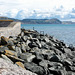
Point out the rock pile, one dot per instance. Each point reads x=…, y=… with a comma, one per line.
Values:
x=38, y=53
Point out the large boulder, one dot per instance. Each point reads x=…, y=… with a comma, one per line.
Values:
x=5, y=41
x=55, y=58
x=28, y=57
x=34, y=68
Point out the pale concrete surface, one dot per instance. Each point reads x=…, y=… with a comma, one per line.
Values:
x=8, y=68
x=12, y=30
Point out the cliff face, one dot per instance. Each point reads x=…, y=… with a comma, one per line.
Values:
x=41, y=21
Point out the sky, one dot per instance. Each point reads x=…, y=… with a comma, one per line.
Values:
x=38, y=9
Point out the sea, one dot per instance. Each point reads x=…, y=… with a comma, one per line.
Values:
x=63, y=32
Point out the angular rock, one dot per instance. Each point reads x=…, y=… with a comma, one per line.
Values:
x=46, y=39
x=20, y=64
x=11, y=47
x=31, y=45
x=3, y=48
x=34, y=68
x=4, y=40
x=54, y=58
x=18, y=51
x=54, y=71
x=23, y=48
x=39, y=44
x=9, y=52
x=66, y=50
x=27, y=42
x=14, y=58
x=28, y=57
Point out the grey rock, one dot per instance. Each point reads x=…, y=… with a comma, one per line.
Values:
x=28, y=57
x=34, y=68
x=46, y=39
x=25, y=38
x=44, y=63
x=50, y=43
x=18, y=51
x=54, y=71
x=66, y=50
x=68, y=62
x=23, y=48
x=31, y=45
x=27, y=42
x=3, y=48
x=70, y=73
x=39, y=56
x=39, y=44
x=55, y=58
x=10, y=42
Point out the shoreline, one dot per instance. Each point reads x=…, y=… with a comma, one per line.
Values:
x=39, y=53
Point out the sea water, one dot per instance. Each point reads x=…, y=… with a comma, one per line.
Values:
x=65, y=32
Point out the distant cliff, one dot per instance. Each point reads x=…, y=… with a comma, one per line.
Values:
x=40, y=21
x=68, y=22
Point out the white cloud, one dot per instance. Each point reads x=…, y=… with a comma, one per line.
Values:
x=37, y=8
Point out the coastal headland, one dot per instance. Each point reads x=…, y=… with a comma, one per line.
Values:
x=39, y=53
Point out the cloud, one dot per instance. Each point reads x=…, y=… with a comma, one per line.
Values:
x=21, y=9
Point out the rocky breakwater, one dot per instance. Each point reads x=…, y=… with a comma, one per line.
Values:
x=38, y=53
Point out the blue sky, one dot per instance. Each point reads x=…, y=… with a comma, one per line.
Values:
x=40, y=9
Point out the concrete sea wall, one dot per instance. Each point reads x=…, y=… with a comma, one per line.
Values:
x=12, y=30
